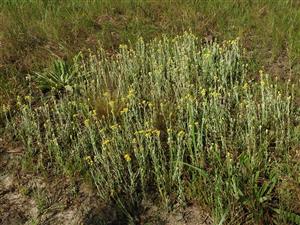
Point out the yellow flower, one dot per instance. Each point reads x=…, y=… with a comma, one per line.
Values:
x=94, y=113
x=149, y=130
x=156, y=132
x=125, y=110
x=215, y=94
x=105, y=142
x=203, y=91
x=123, y=46
x=189, y=97
x=181, y=133
x=89, y=160
x=130, y=93
x=111, y=104
x=19, y=103
x=150, y=104
x=28, y=98
x=229, y=156
x=147, y=134
x=134, y=141
x=139, y=132
x=87, y=122
x=245, y=87
x=127, y=157
x=6, y=108
x=115, y=126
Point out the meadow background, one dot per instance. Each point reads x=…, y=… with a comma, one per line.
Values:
x=170, y=102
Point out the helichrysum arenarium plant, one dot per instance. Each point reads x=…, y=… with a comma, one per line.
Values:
x=172, y=120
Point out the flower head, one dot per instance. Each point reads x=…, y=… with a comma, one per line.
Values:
x=89, y=160
x=105, y=142
x=125, y=110
x=28, y=98
x=94, y=113
x=87, y=122
x=156, y=132
x=130, y=93
x=134, y=141
x=115, y=126
x=181, y=133
x=203, y=92
x=127, y=157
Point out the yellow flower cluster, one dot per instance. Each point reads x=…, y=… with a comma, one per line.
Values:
x=207, y=54
x=87, y=122
x=148, y=133
x=94, y=113
x=89, y=160
x=124, y=110
x=215, y=94
x=231, y=42
x=123, y=46
x=115, y=126
x=6, y=108
x=19, y=103
x=105, y=142
x=146, y=103
x=130, y=94
x=180, y=134
x=245, y=87
x=189, y=97
x=203, y=92
x=28, y=98
x=134, y=141
x=127, y=157
x=192, y=125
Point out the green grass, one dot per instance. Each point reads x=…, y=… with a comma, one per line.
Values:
x=171, y=121
x=34, y=33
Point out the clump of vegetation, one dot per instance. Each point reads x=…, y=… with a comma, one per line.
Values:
x=172, y=120
x=61, y=77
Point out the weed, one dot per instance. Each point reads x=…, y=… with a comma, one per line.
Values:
x=61, y=77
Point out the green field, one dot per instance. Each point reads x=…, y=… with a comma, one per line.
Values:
x=174, y=103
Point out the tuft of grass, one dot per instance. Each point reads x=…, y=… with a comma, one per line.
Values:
x=33, y=31
x=61, y=77
x=183, y=120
